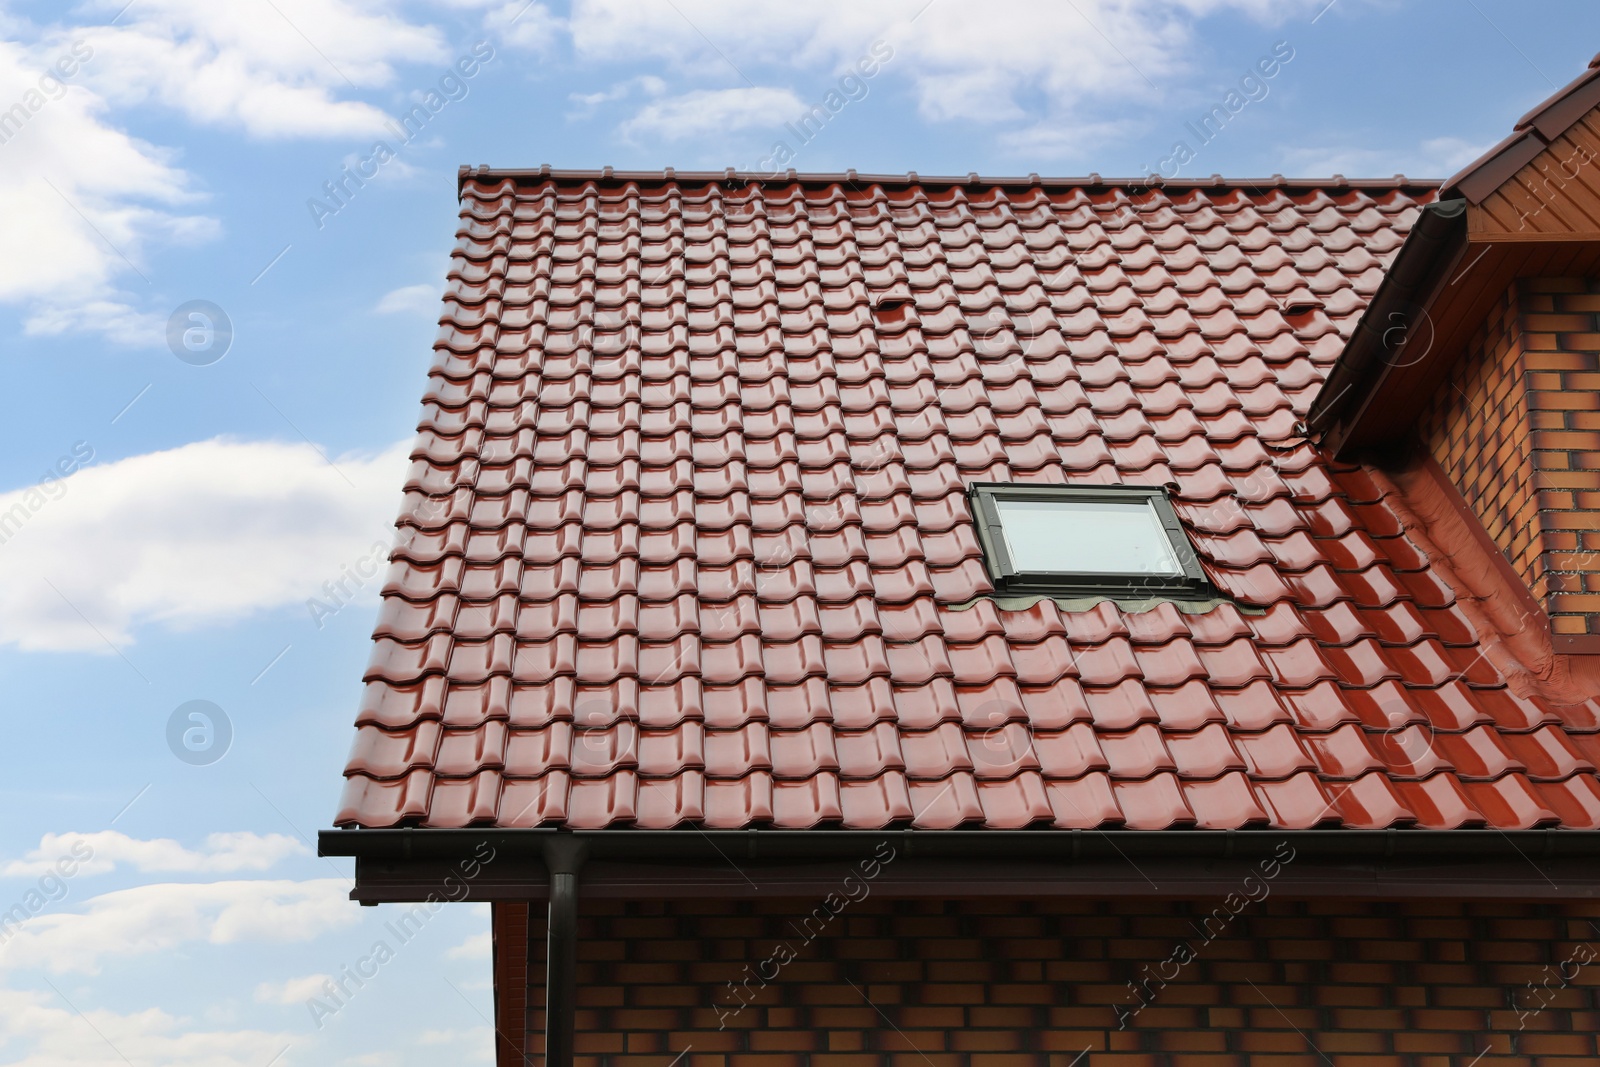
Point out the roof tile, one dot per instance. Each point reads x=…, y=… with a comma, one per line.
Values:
x=1226, y=803
x=1371, y=802
x=1153, y=804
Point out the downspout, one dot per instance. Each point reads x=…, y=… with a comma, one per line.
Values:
x=564, y=856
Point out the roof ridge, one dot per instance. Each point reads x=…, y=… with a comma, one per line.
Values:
x=545, y=172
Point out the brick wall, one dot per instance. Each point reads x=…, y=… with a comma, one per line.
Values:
x=1035, y=983
x=1517, y=429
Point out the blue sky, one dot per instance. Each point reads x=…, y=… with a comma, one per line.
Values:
x=196, y=506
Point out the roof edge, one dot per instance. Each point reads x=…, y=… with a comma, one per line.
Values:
x=528, y=175
x=1554, y=115
x=1478, y=179
x=1532, y=134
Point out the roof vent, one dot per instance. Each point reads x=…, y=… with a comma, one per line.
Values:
x=890, y=310
x=1300, y=308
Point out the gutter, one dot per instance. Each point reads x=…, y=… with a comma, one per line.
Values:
x=719, y=846
x=1376, y=346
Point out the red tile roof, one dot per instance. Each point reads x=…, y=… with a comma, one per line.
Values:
x=689, y=545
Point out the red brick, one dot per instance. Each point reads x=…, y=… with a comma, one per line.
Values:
x=1557, y=1044
x=1542, y=323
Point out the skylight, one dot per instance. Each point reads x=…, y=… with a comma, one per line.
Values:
x=1123, y=540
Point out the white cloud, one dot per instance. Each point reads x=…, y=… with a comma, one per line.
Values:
x=523, y=24
x=292, y=990
x=276, y=70
x=75, y=182
x=1437, y=157
x=104, y=850
x=586, y=103
x=1059, y=139
x=963, y=61
x=409, y=298
x=706, y=111
x=160, y=917
x=209, y=531
x=87, y=191
x=54, y=1035
x=478, y=948
x=120, y=323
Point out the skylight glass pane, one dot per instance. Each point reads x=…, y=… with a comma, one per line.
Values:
x=1086, y=537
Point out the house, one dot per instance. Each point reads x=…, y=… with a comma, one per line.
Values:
x=850, y=620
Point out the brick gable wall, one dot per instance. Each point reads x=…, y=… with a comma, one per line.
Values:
x=1516, y=427
x=1035, y=983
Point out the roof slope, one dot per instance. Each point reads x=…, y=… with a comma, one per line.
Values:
x=688, y=537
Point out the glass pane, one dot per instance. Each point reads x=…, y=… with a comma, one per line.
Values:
x=1086, y=537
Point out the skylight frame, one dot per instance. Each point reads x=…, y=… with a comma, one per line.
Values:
x=984, y=498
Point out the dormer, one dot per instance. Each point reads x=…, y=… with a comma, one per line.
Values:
x=1474, y=379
